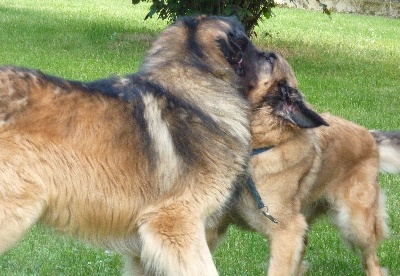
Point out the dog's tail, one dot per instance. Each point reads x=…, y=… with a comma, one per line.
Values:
x=389, y=150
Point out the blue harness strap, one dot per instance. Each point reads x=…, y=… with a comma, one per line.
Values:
x=260, y=150
x=256, y=194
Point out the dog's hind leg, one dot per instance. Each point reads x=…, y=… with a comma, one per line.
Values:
x=379, y=231
x=287, y=246
x=20, y=205
x=361, y=218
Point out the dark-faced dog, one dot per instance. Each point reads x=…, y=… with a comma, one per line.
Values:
x=136, y=164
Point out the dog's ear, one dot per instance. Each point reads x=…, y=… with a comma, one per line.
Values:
x=290, y=106
x=302, y=116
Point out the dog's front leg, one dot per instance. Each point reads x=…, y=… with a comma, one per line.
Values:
x=174, y=243
x=287, y=246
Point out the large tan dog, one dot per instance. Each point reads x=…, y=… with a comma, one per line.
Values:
x=137, y=164
x=326, y=170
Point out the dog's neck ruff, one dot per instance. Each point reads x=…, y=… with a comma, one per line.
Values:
x=256, y=194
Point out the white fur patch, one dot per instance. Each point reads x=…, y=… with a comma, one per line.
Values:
x=382, y=213
x=162, y=143
x=389, y=158
x=342, y=220
x=123, y=82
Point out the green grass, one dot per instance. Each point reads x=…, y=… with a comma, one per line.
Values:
x=348, y=66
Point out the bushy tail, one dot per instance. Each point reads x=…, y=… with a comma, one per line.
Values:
x=389, y=150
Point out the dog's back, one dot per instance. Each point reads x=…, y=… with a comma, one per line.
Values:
x=344, y=145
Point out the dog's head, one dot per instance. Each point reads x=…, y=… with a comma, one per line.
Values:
x=215, y=44
x=275, y=89
x=223, y=40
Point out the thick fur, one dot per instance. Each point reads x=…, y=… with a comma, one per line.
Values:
x=389, y=150
x=136, y=164
x=309, y=171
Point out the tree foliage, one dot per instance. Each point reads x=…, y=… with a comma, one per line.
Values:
x=249, y=12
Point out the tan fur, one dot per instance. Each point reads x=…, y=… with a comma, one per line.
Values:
x=327, y=170
x=136, y=164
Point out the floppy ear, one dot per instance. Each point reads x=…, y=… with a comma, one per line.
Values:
x=292, y=108
x=300, y=115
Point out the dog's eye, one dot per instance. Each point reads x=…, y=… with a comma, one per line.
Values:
x=239, y=39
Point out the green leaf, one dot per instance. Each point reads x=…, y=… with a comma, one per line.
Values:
x=267, y=13
x=228, y=10
x=153, y=10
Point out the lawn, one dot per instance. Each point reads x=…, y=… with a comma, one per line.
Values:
x=348, y=65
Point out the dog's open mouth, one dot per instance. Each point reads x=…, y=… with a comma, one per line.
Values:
x=239, y=68
x=237, y=44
